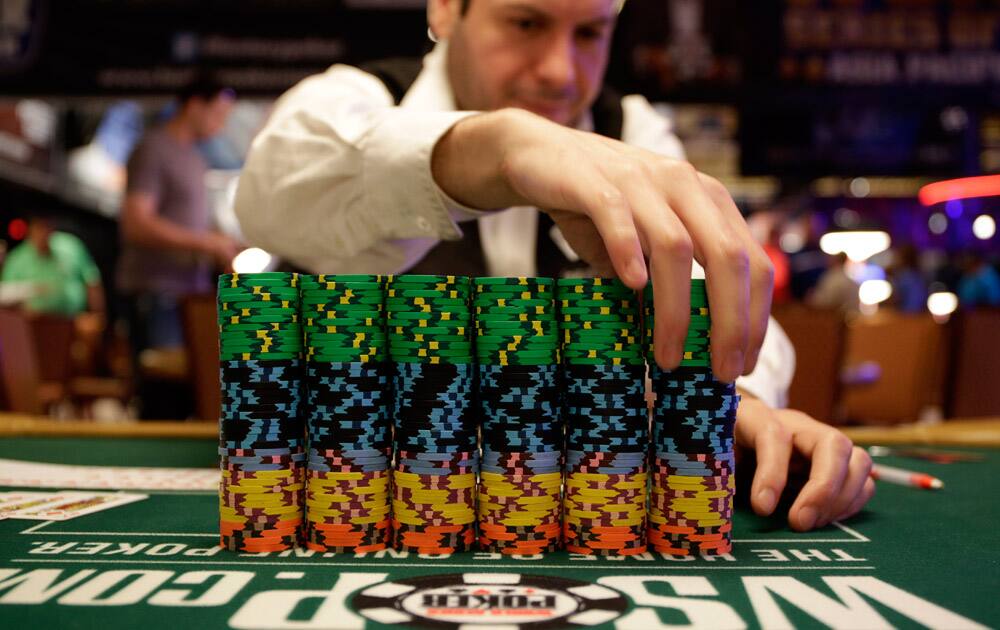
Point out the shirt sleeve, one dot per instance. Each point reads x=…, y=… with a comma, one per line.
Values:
x=340, y=180
x=143, y=171
x=82, y=261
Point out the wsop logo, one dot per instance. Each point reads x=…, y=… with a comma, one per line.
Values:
x=489, y=599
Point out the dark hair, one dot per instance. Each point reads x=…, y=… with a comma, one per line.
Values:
x=465, y=6
x=204, y=85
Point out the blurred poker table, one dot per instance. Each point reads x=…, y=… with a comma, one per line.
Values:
x=913, y=558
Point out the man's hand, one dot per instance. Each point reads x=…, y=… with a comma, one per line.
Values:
x=839, y=484
x=221, y=248
x=622, y=205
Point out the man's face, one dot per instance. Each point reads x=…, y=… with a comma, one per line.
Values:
x=546, y=56
x=39, y=231
x=210, y=116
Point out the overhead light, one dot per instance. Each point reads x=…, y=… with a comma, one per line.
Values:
x=860, y=187
x=984, y=227
x=251, y=260
x=874, y=292
x=791, y=242
x=963, y=188
x=937, y=223
x=942, y=304
x=859, y=246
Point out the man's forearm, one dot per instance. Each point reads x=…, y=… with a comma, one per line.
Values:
x=159, y=233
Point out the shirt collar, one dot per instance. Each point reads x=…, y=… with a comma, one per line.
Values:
x=432, y=90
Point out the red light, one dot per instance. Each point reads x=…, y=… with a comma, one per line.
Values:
x=964, y=188
x=17, y=229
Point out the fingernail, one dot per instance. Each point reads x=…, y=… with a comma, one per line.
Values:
x=765, y=500
x=637, y=272
x=733, y=365
x=671, y=356
x=807, y=517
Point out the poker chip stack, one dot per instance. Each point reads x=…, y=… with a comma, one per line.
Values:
x=434, y=421
x=517, y=349
x=347, y=413
x=261, y=441
x=690, y=510
x=606, y=418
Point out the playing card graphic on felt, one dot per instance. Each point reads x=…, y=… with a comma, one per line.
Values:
x=13, y=502
x=74, y=504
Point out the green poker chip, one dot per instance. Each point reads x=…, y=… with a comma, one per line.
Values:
x=458, y=348
x=427, y=279
x=269, y=356
x=260, y=334
x=258, y=320
x=526, y=304
x=419, y=354
x=406, y=340
x=429, y=295
x=622, y=305
x=513, y=280
x=270, y=326
x=522, y=317
x=343, y=277
x=265, y=277
x=452, y=317
x=398, y=332
x=516, y=313
x=234, y=295
x=345, y=323
x=456, y=307
x=602, y=361
x=599, y=326
x=267, y=308
x=432, y=360
x=527, y=338
x=497, y=292
x=349, y=294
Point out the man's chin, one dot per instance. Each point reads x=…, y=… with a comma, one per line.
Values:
x=558, y=115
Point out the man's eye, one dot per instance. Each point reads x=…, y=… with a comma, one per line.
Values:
x=589, y=34
x=526, y=24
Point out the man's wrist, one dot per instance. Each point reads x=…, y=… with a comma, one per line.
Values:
x=481, y=182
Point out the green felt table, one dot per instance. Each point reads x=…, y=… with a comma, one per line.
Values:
x=913, y=558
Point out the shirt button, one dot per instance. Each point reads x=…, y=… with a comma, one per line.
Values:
x=423, y=224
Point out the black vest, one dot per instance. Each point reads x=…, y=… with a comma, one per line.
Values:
x=465, y=256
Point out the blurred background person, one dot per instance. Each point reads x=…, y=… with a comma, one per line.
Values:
x=980, y=283
x=836, y=289
x=909, y=287
x=170, y=246
x=65, y=281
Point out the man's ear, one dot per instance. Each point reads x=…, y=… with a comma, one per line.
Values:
x=442, y=16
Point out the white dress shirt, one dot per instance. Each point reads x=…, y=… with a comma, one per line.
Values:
x=339, y=181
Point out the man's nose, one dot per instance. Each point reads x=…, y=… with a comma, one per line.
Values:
x=556, y=67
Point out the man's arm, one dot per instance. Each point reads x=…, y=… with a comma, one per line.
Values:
x=141, y=224
x=340, y=179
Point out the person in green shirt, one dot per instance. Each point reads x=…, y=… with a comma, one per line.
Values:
x=67, y=282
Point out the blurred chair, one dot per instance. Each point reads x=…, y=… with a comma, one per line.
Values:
x=201, y=339
x=54, y=340
x=911, y=352
x=818, y=338
x=974, y=386
x=24, y=390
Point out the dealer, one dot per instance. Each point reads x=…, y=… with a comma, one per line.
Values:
x=503, y=153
